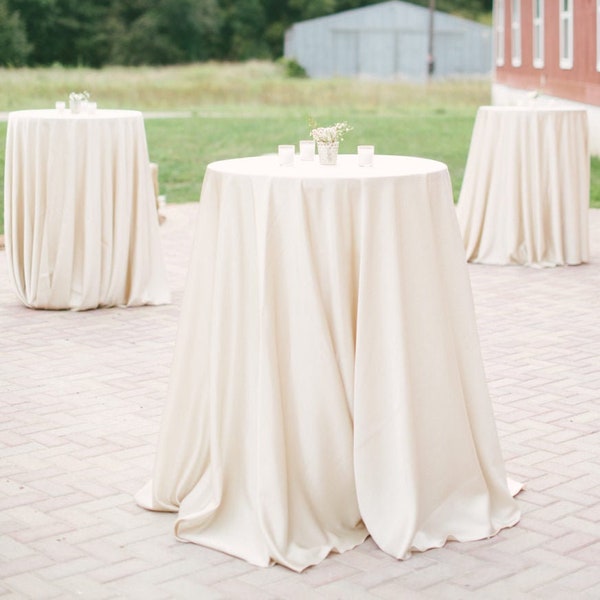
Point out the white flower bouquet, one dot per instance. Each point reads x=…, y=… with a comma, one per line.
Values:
x=331, y=134
x=79, y=96
x=328, y=140
x=77, y=100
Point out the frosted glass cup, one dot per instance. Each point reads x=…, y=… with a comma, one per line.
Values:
x=307, y=150
x=286, y=154
x=365, y=155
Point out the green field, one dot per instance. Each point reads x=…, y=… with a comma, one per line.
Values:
x=244, y=109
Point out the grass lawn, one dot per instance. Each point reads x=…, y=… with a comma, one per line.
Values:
x=247, y=109
x=183, y=147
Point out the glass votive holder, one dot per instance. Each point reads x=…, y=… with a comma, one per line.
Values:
x=365, y=155
x=76, y=106
x=90, y=107
x=60, y=106
x=286, y=154
x=307, y=150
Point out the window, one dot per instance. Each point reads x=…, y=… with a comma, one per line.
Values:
x=515, y=33
x=538, y=33
x=499, y=22
x=565, y=23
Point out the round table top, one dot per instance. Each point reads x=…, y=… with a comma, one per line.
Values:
x=533, y=108
x=67, y=115
x=347, y=167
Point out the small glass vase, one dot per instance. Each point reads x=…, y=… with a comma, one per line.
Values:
x=75, y=105
x=328, y=152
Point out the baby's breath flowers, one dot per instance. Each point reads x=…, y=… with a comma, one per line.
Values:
x=79, y=96
x=331, y=134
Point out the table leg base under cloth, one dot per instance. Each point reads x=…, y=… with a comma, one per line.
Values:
x=319, y=393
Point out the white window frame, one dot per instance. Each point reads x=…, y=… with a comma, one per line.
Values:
x=515, y=33
x=499, y=20
x=565, y=25
x=538, y=33
x=597, y=35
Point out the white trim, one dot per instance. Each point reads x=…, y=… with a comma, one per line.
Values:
x=515, y=33
x=538, y=33
x=565, y=34
x=499, y=19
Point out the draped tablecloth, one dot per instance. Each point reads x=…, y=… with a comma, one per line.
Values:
x=327, y=381
x=525, y=193
x=81, y=227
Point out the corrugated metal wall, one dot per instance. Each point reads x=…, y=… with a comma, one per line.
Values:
x=389, y=40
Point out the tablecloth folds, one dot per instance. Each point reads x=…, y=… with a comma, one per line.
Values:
x=82, y=228
x=327, y=382
x=525, y=194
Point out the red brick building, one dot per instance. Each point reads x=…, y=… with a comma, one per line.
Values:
x=551, y=47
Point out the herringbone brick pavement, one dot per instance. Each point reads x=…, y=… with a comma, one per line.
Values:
x=80, y=405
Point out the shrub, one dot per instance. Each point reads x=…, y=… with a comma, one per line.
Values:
x=292, y=68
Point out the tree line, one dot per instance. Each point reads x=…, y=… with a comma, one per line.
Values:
x=158, y=32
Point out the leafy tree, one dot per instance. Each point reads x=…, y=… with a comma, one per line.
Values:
x=243, y=27
x=14, y=46
x=309, y=9
x=38, y=17
x=78, y=32
x=171, y=31
x=193, y=25
x=64, y=31
x=349, y=4
x=129, y=11
x=98, y=32
x=145, y=42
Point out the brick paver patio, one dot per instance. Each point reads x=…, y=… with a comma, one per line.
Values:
x=81, y=397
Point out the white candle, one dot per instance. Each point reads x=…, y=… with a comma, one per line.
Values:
x=286, y=154
x=307, y=150
x=60, y=106
x=365, y=156
x=90, y=107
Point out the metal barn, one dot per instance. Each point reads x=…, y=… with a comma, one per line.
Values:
x=389, y=40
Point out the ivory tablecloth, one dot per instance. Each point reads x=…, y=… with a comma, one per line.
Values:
x=327, y=382
x=81, y=227
x=525, y=193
